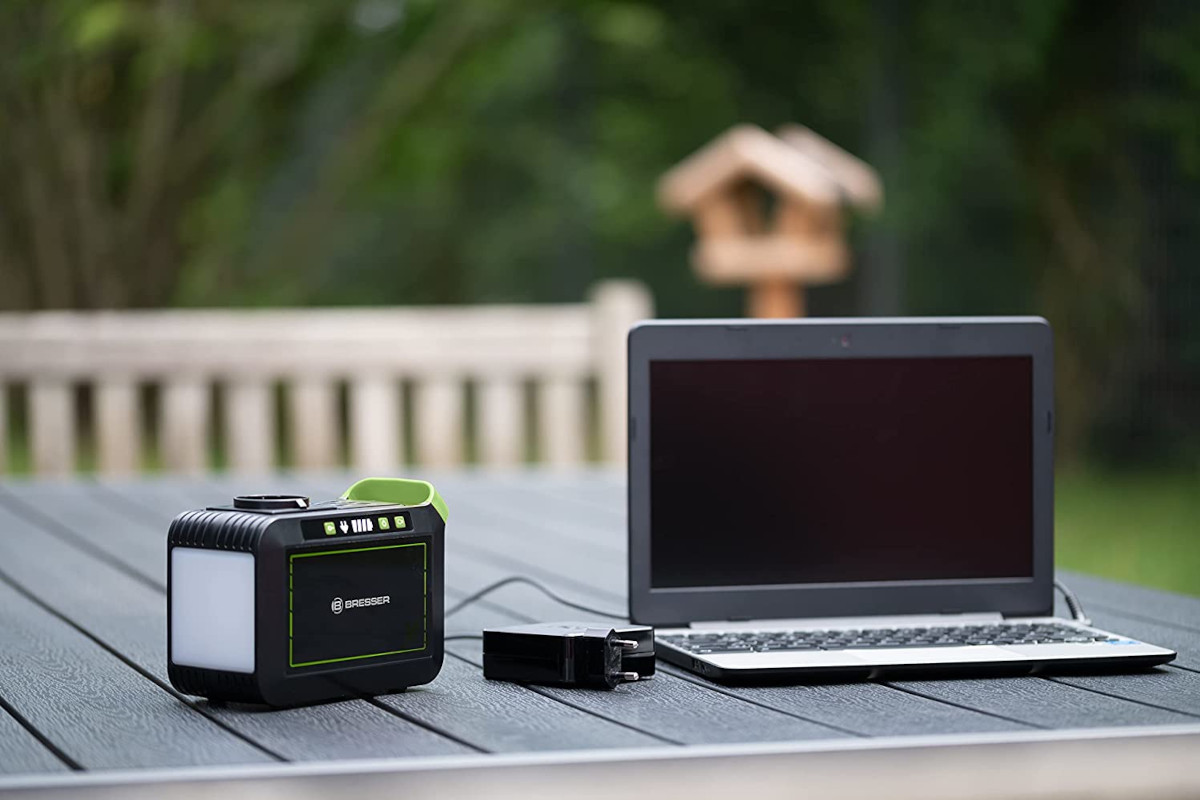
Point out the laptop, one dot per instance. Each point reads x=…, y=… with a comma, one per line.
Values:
x=850, y=499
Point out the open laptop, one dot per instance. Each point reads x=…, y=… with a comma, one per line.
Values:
x=859, y=498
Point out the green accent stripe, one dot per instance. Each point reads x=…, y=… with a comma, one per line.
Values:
x=356, y=658
x=357, y=550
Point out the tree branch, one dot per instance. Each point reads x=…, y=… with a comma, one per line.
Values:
x=156, y=133
x=411, y=81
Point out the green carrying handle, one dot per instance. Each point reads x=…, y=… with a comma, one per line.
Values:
x=400, y=491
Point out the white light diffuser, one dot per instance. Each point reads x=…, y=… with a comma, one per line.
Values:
x=212, y=609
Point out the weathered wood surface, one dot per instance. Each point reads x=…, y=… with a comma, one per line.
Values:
x=83, y=672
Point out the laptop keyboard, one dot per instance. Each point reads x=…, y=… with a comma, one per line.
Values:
x=871, y=638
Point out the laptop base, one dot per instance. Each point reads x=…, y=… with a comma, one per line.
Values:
x=749, y=654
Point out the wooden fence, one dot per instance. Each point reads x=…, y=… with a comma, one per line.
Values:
x=523, y=363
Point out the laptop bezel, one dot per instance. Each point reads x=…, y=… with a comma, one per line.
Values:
x=840, y=339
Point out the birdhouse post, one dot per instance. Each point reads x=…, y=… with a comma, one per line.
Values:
x=767, y=210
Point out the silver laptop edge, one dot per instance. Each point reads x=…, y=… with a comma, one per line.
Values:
x=1121, y=648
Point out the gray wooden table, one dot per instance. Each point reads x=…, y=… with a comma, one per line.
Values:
x=83, y=683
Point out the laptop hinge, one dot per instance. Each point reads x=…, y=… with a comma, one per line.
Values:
x=849, y=622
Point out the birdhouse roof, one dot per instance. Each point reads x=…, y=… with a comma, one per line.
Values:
x=856, y=179
x=746, y=152
x=798, y=163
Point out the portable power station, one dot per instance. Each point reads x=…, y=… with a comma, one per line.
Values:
x=275, y=600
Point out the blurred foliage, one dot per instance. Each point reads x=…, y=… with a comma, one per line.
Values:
x=1038, y=156
x=1132, y=527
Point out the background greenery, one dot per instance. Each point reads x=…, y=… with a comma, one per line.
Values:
x=1038, y=157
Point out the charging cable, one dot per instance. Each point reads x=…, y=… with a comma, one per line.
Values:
x=478, y=595
x=1073, y=603
x=521, y=579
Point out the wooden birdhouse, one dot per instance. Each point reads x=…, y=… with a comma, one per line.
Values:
x=768, y=212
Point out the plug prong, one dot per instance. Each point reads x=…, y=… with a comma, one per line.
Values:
x=628, y=677
x=626, y=644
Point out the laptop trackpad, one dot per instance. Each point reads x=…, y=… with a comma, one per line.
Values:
x=932, y=655
x=783, y=659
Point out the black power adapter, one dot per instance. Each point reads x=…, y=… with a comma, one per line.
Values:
x=569, y=654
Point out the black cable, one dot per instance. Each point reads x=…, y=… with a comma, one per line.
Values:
x=491, y=587
x=1076, y=607
x=1072, y=603
x=458, y=636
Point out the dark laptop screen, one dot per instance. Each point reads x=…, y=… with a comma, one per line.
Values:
x=840, y=470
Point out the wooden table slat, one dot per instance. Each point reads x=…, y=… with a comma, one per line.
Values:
x=862, y=709
x=867, y=709
x=568, y=530
x=130, y=617
x=669, y=707
x=523, y=500
x=507, y=718
x=1009, y=696
x=74, y=516
x=1043, y=703
x=1168, y=688
x=557, y=545
x=21, y=752
x=353, y=729
x=1151, y=605
x=556, y=727
x=349, y=730
x=92, y=706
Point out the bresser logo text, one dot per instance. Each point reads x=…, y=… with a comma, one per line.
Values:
x=339, y=605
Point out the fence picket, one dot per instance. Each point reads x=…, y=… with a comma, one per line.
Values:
x=52, y=426
x=501, y=421
x=4, y=442
x=118, y=426
x=439, y=433
x=616, y=306
x=313, y=432
x=249, y=425
x=561, y=417
x=184, y=440
x=375, y=416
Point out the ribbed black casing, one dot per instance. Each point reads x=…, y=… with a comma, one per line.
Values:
x=233, y=686
x=218, y=530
